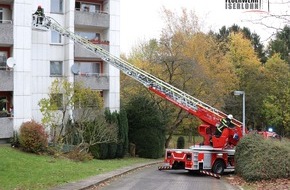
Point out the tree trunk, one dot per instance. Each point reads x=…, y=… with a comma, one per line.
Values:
x=168, y=139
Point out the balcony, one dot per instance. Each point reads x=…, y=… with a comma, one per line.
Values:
x=6, y=34
x=6, y=78
x=6, y=127
x=81, y=52
x=95, y=81
x=96, y=20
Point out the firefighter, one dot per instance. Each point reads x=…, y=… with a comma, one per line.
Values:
x=224, y=123
x=40, y=13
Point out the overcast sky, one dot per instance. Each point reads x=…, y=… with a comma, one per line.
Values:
x=141, y=19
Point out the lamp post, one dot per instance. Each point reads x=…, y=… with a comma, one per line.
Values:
x=238, y=93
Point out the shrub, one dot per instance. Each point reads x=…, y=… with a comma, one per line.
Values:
x=149, y=144
x=112, y=150
x=180, y=142
x=78, y=155
x=262, y=159
x=120, y=151
x=103, y=150
x=95, y=151
x=15, y=140
x=32, y=137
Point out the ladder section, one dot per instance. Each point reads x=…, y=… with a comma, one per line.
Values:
x=194, y=106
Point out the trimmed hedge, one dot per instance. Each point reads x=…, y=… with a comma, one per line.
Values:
x=262, y=159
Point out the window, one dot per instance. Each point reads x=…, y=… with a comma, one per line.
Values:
x=56, y=6
x=55, y=37
x=56, y=68
x=89, y=67
x=3, y=59
x=57, y=99
x=1, y=15
x=89, y=35
x=3, y=106
x=92, y=8
x=3, y=103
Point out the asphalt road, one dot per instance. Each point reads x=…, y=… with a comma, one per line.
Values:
x=150, y=178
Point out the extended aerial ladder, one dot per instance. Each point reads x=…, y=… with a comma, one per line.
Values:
x=208, y=114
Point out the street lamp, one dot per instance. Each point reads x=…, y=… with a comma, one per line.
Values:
x=238, y=93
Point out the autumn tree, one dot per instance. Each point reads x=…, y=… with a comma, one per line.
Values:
x=277, y=95
x=247, y=68
x=187, y=59
x=224, y=33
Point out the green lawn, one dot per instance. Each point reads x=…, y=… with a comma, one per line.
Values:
x=19, y=170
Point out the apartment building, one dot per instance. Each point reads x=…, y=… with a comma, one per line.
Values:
x=30, y=59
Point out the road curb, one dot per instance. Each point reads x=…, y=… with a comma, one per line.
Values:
x=101, y=178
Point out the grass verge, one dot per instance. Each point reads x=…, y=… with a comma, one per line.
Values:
x=19, y=170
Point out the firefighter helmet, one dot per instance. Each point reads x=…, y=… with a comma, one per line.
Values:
x=230, y=116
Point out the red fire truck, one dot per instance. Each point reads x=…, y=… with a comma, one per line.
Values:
x=214, y=154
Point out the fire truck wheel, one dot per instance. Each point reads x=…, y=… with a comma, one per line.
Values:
x=218, y=167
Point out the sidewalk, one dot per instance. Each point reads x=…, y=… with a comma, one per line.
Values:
x=98, y=179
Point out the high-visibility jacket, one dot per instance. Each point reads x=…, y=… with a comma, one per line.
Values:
x=225, y=122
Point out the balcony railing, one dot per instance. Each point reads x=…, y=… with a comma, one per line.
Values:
x=95, y=81
x=81, y=52
x=6, y=78
x=98, y=19
x=6, y=127
x=6, y=34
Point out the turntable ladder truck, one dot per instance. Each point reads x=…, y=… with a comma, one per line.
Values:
x=215, y=154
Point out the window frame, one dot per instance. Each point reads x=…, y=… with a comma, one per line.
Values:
x=4, y=103
x=3, y=54
x=1, y=14
x=52, y=33
x=60, y=6
x=55, y=74
x=98, y=65
x=89, y=6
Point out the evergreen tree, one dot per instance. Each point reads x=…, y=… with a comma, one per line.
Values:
x=281, y=44
x=146, y=129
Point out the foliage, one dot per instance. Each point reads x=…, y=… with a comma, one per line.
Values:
x=123, y=145
x=248, y=70
x=32, y=137
x=100, y=151
x=149, y=142
x=262, y=159
x=180, y=142
x=112, y=150
x=99, y=131
x=15, y=140
x=277, y=98
x=119, y=148
x=74, y=114
x=79, y=155
x=187, y=59
x=281, y=44
x=224, y=33
x=146, y=128
x=57, y=107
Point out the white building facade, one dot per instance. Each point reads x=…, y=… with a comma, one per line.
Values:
x=36, y=58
